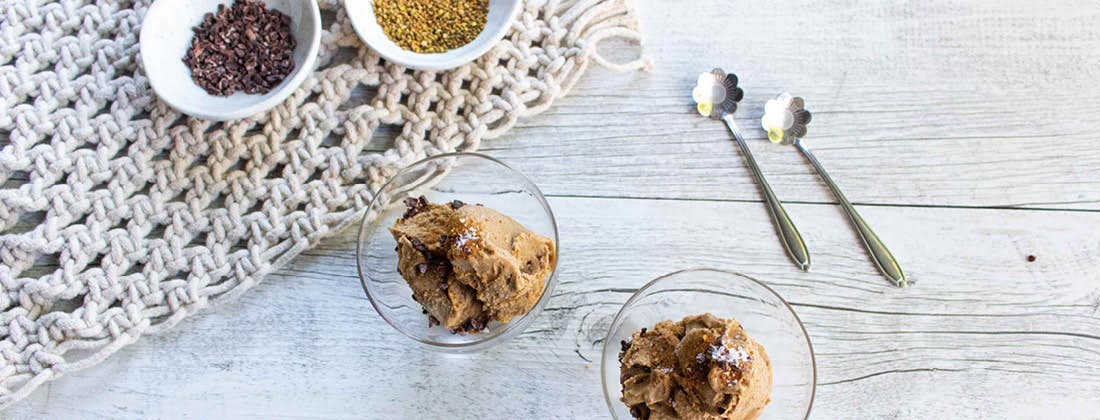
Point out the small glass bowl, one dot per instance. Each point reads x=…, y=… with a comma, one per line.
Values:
x=766, y=317
x=473, y=179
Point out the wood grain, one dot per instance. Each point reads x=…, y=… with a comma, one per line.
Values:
x=984, y=333
x=982, y=103
x=965, y=129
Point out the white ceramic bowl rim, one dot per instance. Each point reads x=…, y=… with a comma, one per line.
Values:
x=509, y=327
x=640, y=293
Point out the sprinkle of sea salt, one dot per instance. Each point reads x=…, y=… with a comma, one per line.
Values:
x=734, y=356
x=466, y=236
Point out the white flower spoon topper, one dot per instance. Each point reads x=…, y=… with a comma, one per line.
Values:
x=785, y=119
x=716, y=96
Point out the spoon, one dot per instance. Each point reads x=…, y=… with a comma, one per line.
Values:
x=785, y=119
x=716, y=96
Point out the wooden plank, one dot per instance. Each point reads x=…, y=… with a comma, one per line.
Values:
x=984, y=333
x=983, y=103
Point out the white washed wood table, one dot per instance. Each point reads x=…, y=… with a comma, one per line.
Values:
x=964, y=131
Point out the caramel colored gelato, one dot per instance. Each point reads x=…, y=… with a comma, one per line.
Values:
x=700, y=368
x=469, y=264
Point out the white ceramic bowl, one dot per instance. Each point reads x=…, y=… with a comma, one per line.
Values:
x=166, y=34
x=501, y=15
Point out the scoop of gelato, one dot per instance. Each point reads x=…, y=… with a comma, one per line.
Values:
x=699, y=368
x=469, y=264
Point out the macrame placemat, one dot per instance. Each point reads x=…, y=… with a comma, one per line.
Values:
x=120, y=217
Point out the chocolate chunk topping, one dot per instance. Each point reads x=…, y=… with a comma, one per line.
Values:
x=415, y=206
x=418, y=245
x=625, y=346
x=471, y=326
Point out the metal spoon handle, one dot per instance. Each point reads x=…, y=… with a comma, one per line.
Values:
x=788, y=234
x=880, y=255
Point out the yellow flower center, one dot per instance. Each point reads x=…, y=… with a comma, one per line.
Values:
x=704, y=108
x=775, y=135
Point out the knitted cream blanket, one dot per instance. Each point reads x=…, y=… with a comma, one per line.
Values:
x=120, y=217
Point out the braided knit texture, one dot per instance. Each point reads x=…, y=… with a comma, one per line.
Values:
x=120, y=217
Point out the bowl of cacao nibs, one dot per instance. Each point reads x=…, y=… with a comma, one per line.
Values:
x=228, y=59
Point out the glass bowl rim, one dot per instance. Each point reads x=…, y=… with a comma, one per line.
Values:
x=510, y=328
x=638, y=294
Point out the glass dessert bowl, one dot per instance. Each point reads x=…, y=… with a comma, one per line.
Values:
x=763, y=314
x=432, y=233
